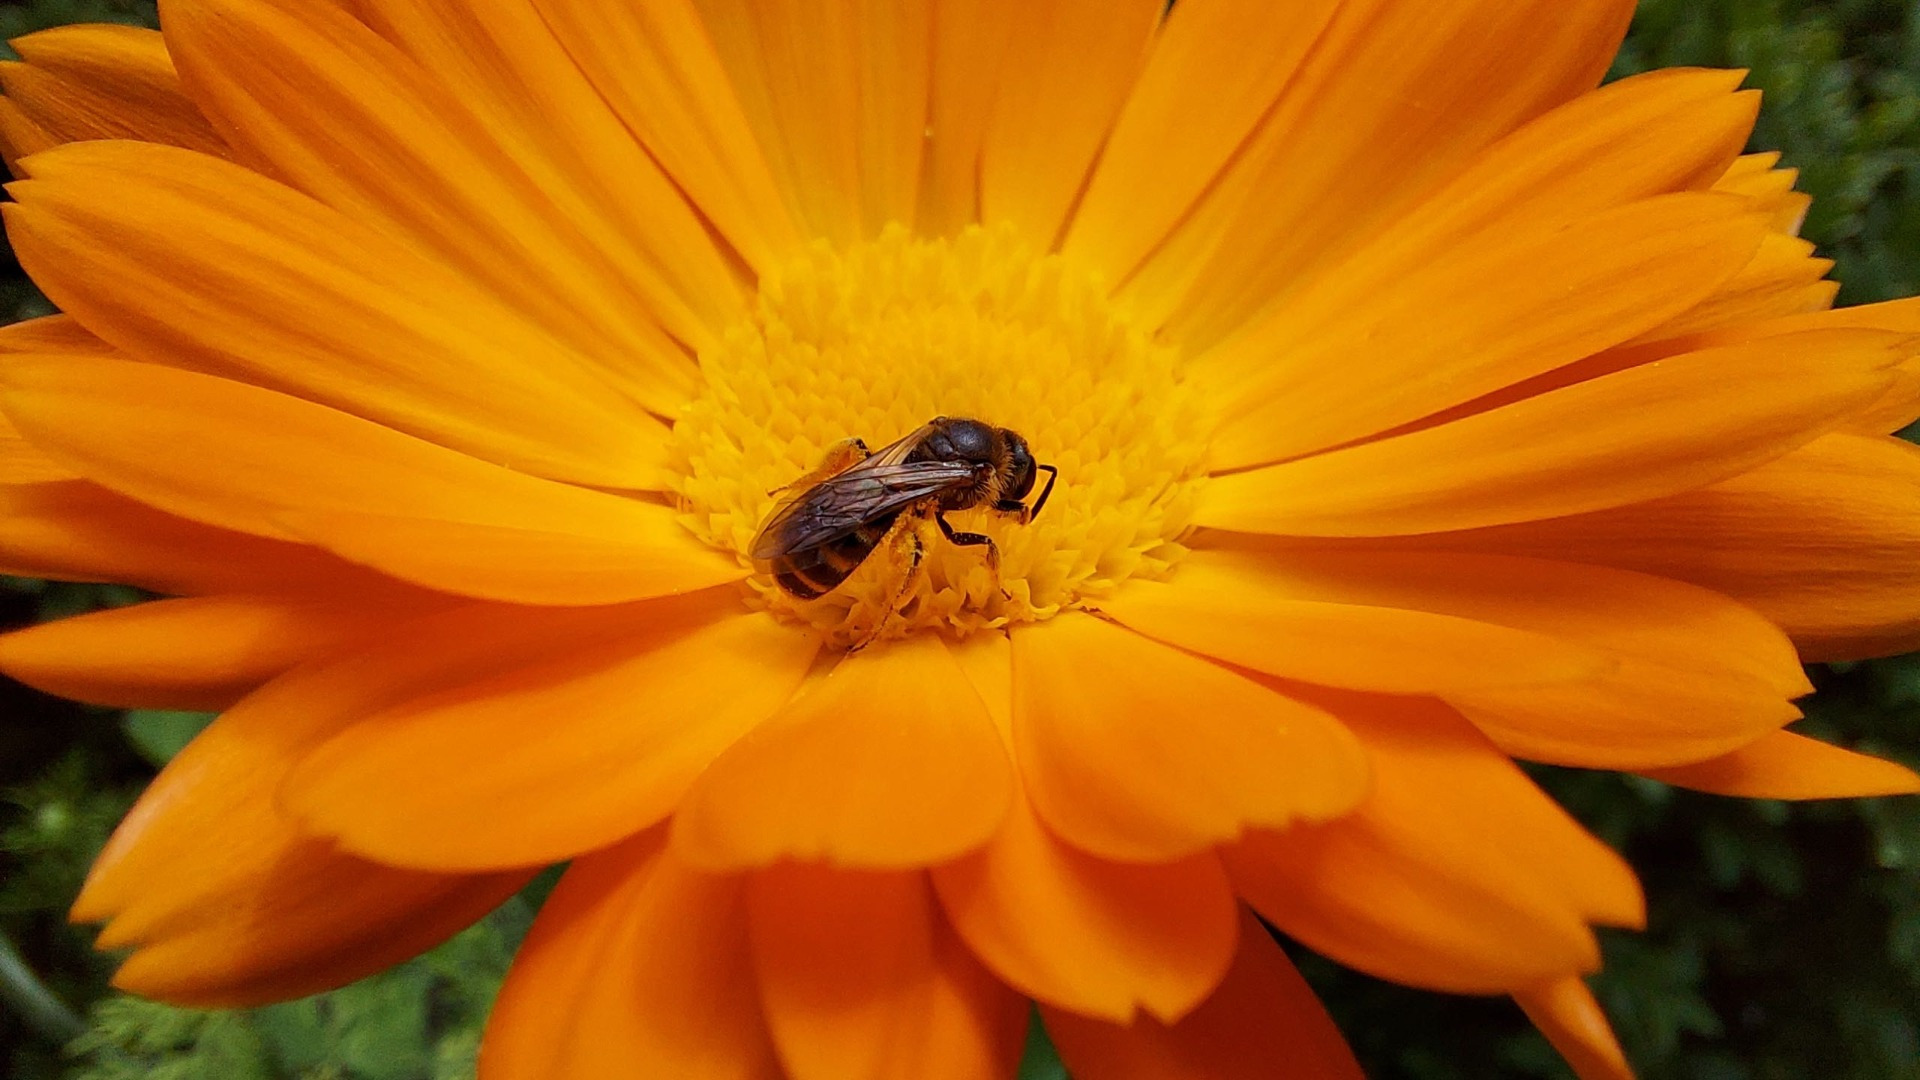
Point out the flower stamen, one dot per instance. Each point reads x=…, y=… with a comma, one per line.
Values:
x=875, y=341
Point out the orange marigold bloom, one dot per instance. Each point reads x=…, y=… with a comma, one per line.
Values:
x=1417, y=406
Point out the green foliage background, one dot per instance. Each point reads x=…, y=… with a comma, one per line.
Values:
x=1784, y=940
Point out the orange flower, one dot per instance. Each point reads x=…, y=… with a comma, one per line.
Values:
x=1416, y=406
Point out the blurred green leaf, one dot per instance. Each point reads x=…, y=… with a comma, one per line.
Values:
x=159, y=734
x=1040, y=1062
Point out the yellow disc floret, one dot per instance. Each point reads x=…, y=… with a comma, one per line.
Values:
x=874, y=342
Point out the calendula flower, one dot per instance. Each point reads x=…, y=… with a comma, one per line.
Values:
x=1416, y=406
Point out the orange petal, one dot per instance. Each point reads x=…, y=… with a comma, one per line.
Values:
x=1783, y=765
x=1068, y=68
x=76, y=531
x=1235, y=606
x=970, y=43
x=1457, y=874
x=20, y=461
x=860, y=978
x=1649, y=713
x=987, y=660
x=187, y=260
x=197, y=654
x=1754, y=177
x=636, y=965
x=1429, y=753
x=657, y=69
x=1438, y=335
x=1664, y=131
x=51, y=334
x=1566, y=1013
x=892, y=64
x=1896, y=409
x=1900, y=405
x=23, y=463
x=1263, y=1021
x=1373, y=894
x=837, y=94
x=1783, y=278
x=1137, y=752
x=1394, y=99
x=301, y=921
x=641, y=714
x=207, y=824
x=1603, y=608
x=511, y=564
x=343, y=114
x=888, y=760
x=1652, y=134
x=1088, y=935
x=599, y=193
x=1093, y=937
x=249, y=459
x=20, y=137
x=1692, y=673
x=227, y=902
x=1650, y=431
x=1224, y=60
x=1821, y=542
x=1893, y=410
x=1898, y=316
x=103, y=81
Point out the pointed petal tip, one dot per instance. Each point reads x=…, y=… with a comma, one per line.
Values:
x=1566, y=1012
x=1631, y=913
x=88, y=908
x=1785, y=765
x=151, y=974
x=144, y=975
x=114, y=934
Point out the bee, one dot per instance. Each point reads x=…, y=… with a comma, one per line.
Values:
x=859, y=500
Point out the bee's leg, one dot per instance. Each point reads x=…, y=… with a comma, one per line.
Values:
x=904, y=544
x=974, y=539
x=839, y=457
x=1014, y=507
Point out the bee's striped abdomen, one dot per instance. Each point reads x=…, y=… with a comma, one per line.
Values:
x=818, y=571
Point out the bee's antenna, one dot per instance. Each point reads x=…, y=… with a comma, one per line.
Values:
x=1052, y=475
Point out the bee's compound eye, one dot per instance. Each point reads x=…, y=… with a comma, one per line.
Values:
x=1020, y=468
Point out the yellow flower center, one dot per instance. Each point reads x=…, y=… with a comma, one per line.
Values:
x=874, y=342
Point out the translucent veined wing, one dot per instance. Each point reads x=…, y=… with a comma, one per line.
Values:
x=896, y=451
x=838, y=505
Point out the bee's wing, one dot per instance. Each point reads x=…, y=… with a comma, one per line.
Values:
x=896, y=451
x=840, y=504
